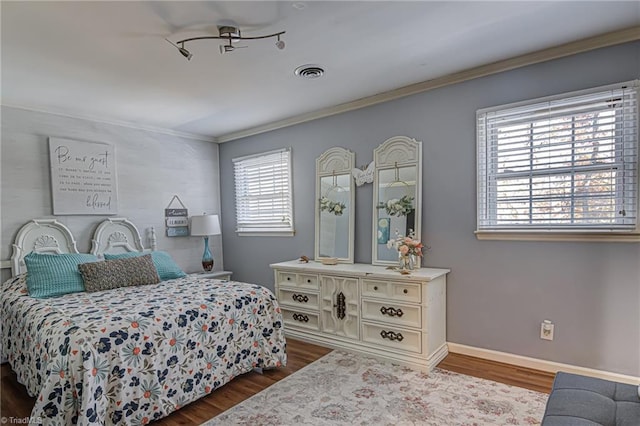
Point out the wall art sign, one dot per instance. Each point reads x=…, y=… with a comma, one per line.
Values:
x=176, y=219
x=83, y=177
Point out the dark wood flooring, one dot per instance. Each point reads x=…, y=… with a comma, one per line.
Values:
x=15, y=402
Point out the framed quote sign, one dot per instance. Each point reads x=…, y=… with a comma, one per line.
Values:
x=83, y=177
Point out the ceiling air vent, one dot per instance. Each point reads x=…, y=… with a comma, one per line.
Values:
x=309, y=71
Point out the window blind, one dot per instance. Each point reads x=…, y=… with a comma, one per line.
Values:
x=263, y=192
x=567, y=162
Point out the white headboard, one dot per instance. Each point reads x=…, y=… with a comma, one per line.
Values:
x=40, y=236
x=116, y=235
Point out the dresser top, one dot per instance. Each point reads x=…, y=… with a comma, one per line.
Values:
x=361, y=270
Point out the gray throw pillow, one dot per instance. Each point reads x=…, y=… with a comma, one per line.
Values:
x=116, y=273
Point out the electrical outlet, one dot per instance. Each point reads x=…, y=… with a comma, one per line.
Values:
x=546, y=330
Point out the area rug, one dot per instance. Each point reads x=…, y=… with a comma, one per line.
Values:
x=343, y=388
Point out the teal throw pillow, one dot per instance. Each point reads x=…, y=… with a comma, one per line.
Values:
x=51, y=275
x=166, y=266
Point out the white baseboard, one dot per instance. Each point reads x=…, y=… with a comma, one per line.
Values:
x=439, y=354
x=539, y=364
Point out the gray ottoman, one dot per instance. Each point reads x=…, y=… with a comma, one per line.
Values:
x=584, y=401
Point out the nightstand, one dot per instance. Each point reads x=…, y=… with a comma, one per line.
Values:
x=221, y=275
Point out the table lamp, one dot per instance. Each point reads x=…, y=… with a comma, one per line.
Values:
x=203, y=226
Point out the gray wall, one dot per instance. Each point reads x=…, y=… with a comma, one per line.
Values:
x=151, y=168
x=498, y=291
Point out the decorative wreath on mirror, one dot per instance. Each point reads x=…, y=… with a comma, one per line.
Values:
x=398, y=207
x=333, y=207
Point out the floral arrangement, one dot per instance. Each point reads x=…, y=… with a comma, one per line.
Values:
x=406, y=245
x=398, y=207
x=330, y=206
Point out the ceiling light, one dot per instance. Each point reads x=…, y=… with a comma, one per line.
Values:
x=226, y=48
x=230, y=32
x=185, y=52
x=309, y=71
x=181, y=49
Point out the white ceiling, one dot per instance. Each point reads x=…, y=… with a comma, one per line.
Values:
x=109, y=60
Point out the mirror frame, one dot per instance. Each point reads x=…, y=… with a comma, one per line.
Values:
x=336, y=161
x=397, y=151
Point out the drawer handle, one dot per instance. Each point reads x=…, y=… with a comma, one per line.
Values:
x=405, y=291
x=341, y=305
x=288, y=278
x=309, y=281
x=302, y=298
x=375, y=288
x=392, y=312
x=300, y=317
x=391, y=335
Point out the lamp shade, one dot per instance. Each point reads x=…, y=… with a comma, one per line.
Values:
x=205, y=225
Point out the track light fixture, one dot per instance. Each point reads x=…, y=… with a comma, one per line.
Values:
x=184, y=52
x=231, y=34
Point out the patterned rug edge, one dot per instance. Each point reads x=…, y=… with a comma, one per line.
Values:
x=487, y=409
x=257, y=395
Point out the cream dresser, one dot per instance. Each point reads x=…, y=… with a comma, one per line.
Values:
x=366, y=308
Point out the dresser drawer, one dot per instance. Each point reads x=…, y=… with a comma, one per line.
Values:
x=292, y=279
x=396, y=290
x=396, y=338
x=298, y=298
x=392, y=312
x=300, y=319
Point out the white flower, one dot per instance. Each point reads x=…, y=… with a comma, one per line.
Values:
x=334, y=207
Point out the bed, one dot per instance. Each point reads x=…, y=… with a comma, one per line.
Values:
x=130, y=355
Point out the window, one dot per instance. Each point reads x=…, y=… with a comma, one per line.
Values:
x=562, y=164
x=264, y=193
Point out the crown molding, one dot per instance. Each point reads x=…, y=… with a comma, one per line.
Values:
x=563, y=50
x=119, y=123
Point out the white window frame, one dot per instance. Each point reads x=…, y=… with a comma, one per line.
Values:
x=488, y=224
x=254, y=221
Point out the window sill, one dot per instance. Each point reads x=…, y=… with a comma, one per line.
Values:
x=266, y=234
x=576, y=236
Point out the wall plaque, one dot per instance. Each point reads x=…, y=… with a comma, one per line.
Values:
x=83, y=177
x=176, y=219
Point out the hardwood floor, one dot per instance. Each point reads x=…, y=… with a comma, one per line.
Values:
x=15, y=402
x=513, y=375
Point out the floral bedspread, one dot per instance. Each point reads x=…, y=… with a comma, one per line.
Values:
x=135, y=354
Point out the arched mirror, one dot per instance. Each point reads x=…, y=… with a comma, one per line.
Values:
x=397, y=196
x=335, y=203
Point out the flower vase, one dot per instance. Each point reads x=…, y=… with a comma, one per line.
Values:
x=407, y=262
